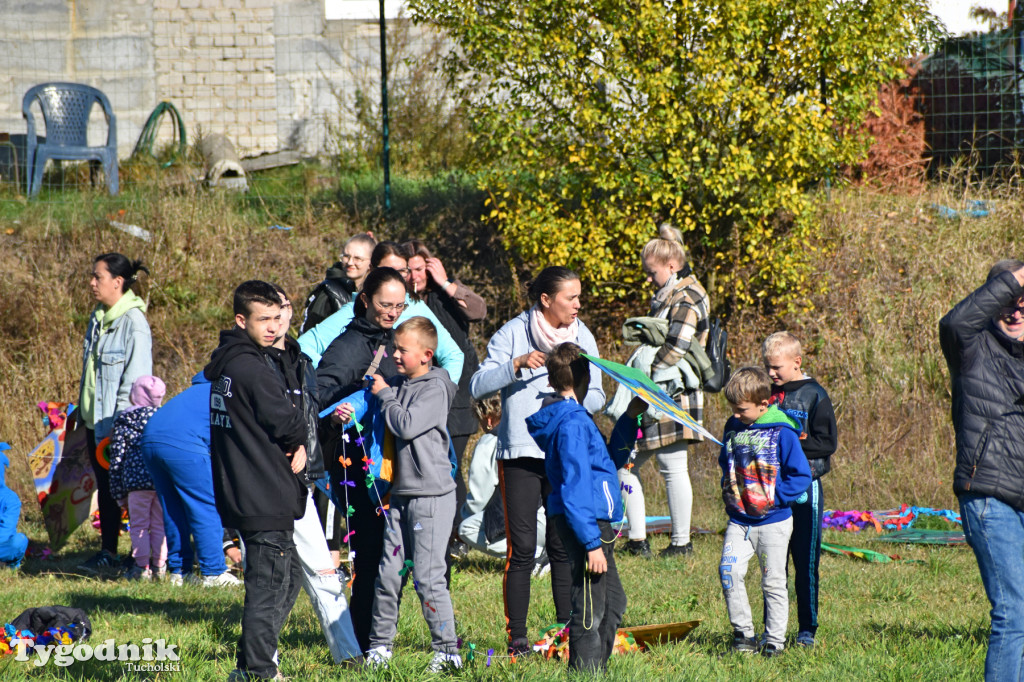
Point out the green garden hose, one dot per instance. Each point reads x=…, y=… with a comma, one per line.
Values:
x=149, y=131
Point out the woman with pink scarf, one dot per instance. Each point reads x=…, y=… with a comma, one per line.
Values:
x=514, y=367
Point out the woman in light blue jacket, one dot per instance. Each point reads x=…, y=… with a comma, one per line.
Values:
x=118, y=349
x=385, y=255
x=515, y=367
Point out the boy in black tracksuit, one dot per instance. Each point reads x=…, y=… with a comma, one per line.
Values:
x=257, y=449
x=803, y=399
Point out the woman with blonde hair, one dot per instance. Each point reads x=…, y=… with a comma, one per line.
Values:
x=683, y=303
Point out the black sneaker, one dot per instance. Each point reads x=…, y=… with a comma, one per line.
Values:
x=743, y=645
x=677, y=550
x=457, y=549
x=640, y=548
x=771, y=651
x=520, y=647
x=101, y=562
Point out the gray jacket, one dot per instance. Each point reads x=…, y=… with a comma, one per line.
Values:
x=416, y=412
x=523, y=392
x=125, y=353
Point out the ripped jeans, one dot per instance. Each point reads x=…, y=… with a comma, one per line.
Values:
x=322, y=583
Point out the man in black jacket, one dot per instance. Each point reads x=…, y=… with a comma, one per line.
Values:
x=981, y=338
x=258, y=449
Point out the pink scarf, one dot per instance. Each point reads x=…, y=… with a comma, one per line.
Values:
x=545, y=336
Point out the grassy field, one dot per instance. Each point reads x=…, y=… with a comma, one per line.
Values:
x=898, y=621
x=887, y=268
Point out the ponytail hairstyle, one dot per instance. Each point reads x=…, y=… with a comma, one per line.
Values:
x=550, y=281
x=668, y=246
x=377, y=278
x=120, y=266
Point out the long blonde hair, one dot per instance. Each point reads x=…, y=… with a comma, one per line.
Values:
x=668, y=246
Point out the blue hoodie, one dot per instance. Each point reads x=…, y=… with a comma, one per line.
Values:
x=12, y=543
x=764, y=469
x=580, y=466
x=184, y=421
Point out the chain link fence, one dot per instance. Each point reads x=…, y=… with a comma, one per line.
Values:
x=268, y=75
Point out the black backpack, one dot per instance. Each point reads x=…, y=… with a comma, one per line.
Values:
x=715, y=349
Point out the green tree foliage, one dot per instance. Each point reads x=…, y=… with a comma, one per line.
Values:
x=593, y=120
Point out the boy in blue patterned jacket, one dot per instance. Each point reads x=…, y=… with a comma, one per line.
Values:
x=584, y=501
x=764, y=471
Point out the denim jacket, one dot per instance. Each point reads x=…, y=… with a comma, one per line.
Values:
x=125, y=353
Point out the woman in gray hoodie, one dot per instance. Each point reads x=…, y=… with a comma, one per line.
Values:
x=515, y=367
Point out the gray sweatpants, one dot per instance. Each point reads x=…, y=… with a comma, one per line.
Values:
x=421, y=527
x=770, y=542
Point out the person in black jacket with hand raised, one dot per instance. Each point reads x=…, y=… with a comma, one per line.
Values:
x=258, y=452
x=981, y=338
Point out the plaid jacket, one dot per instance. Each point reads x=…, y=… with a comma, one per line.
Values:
x=686, y=308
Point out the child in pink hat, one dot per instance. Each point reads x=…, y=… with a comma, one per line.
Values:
x=132, y=485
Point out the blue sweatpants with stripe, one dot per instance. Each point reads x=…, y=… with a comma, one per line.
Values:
x=805, y=549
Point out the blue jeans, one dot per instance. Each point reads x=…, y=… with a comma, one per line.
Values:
x=995, y=531
x=184, y=482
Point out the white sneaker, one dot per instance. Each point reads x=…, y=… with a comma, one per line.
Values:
x=444, y=662
x=193, y=578
x=175, y=579
x=225, y=579
x=377, y=658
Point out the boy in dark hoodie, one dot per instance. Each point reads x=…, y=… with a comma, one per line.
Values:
x=804, y=399
x=585, y=502
x=415, y=407
x=257, y=445
x=764, y=471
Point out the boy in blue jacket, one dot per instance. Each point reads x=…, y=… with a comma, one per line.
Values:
x=584, y=502
x=764, y=471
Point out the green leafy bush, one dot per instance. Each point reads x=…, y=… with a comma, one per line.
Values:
x=594, y=120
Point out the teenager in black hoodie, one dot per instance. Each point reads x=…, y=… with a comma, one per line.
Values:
x=257, y=446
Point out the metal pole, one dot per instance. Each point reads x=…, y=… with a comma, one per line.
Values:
x=386, y=153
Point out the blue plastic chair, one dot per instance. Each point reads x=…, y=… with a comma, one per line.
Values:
x=66, y=108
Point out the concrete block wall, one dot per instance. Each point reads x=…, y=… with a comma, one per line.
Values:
x=270, y=74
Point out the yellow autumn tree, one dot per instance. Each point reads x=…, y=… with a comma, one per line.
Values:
x=594, y=120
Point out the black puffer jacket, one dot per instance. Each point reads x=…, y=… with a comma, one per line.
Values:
x=303, y=375
x=987, y=373
x=462, y=420
x=345, y=361
x=327, y=297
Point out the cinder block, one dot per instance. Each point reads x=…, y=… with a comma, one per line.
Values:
x=259, y=53
x=188, y=4
x=164, y=4
x=224, y=40
x=233, y=53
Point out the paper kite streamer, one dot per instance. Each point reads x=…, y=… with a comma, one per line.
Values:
x=641, y=384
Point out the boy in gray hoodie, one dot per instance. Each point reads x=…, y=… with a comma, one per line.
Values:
x=415, y=406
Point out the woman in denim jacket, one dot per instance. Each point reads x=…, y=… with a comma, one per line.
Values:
x=118, y=349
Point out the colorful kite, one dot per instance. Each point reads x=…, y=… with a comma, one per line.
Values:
x=63, y=476
x=641, y=384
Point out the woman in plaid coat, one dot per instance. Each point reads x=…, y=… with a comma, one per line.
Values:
x=682, y=301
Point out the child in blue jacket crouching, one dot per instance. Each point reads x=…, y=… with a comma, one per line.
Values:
x=581, y=469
